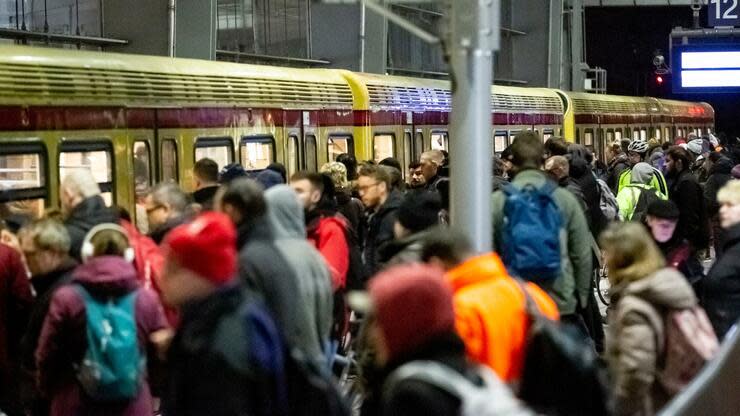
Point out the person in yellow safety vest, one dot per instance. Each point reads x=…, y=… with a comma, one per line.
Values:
x=634, y=198
x=637, y=150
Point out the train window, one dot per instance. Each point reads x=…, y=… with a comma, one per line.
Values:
x=418, y=145
x=658, y=134
x=292, y=160
x=169, y=165
x=667, y=136
x=440, y=140
x=618, y=134
x=701, y=132
x=257, y=152
x=310, y=156
x=97, y=157
x=142, y=181
x=499, y=142
x=547, y=134
x=338, y=144
x=22, y=180
x=610, y=136
x=635, y=134
x=680, y=132
x=588, y=137
x=643, y=134
x=383, y=146
x=219, y=149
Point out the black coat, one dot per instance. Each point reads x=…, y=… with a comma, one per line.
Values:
x=721, y=288
x=719, y=175
x=693, y=223
x=581, y=173
x=82, y=218
x=204, y=197
x=379, y=232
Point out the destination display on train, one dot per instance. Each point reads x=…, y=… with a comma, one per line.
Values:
x=706, y=68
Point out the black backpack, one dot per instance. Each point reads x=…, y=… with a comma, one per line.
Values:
x=562, y=374
x=356, y=277
x=648, y=195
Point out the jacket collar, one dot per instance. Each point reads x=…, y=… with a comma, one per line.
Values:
x=732, y=236
x=477, y=269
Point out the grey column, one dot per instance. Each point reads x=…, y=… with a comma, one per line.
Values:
x=195, y=23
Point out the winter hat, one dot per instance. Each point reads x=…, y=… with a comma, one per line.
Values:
x=695, y=146
x=231, y=172
x=642, y=173
x=664, y=209
x=269, y=178
x=206, y=246
x=412, y=304
x=419, y=210
x=736, y=172
x=279, y=168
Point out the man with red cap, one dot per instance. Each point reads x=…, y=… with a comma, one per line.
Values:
x=413, y=332
x=212, y=366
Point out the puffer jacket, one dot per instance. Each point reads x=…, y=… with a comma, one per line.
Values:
x=636, y=335
x=285, y=217
x=82, y=218
x=490, y=313
x=63, y=337
x=721, y=288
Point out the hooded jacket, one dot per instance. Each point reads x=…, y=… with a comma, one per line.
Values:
x=82, y=218
x=693, y=223
x=636, y=336
x=719, y=175
x=490, y=313
x=721, y=287
x=616, y=166
x=285, y=218
x=63, y=337
x=327, y=231
x=628, y=197
x=581, y=172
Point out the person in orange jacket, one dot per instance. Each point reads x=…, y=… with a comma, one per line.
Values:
x=490, y=307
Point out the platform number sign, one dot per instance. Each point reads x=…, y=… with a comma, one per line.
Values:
x=724, y=13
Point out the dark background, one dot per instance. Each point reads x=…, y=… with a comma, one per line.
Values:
x=623, y=40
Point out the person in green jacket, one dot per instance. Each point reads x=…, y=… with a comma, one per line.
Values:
x=570, y=290
x=637, y=151
x=628, y=198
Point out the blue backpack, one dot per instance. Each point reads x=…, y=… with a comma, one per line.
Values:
x=531, y=232
x=112, y=367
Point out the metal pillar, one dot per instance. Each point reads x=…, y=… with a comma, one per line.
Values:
x=473, y=36
x=576, y=46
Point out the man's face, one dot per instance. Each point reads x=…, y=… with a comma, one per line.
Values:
x=661, y=228
x=729, y=214
x=428, y=169
x=634, y=157
x=371, y=191
x=39, y=262
x=416, y=178
x=307, y=193
x=156, y=214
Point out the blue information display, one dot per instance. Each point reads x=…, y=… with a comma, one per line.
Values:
x=724, y=13
x=706, y=68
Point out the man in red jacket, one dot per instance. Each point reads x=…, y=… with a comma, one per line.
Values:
x=325, y=228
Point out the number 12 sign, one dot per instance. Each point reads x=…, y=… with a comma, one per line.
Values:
x=723, y=13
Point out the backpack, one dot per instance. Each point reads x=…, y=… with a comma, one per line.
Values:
x=607, y=201
x=493, y=398
x=531, y=232
x=689, y=343
x=112, y=368
x=561, y=373
x=356, y=276
x=648, y=195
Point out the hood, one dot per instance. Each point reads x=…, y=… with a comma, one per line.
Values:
x=666, y=287
x=642, y=173
x=91, y=212
x=269, y=178
x=285, y=213
x=722, y=166
x=107, y=274
x=578, y=167
x=477, y=269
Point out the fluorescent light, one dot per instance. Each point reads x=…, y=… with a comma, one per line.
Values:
x=704, y=79
x=702, y=60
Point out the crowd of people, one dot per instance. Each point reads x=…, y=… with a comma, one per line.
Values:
x=266, y=294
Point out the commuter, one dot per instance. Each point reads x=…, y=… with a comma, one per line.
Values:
x=397, y=184
x=269, y=178
x=719, y=175
x=279, y=168
x=558, y=168
x=83, y=207
x=211, y=370
x=618, y=163
x=416, y=178
x=637, y=152
x=265, y=269
x=643, y=293
x=686, y=192
x=350, y=163
x=391, y=162
x=166, y=207
x=205, y=174
x=721, y=288
x=347, y=205
x=506, y=159
x=230, y=172
x=635, y=198
x=661, y=219
x=555, y=146
x=444, y=170
x=580, y=170
x=412, y=350
x=570, y=286
x=498, y=180
x=417, y=214
x=16, y=301
x=490, y=310
x=326, y=230
x=45, y=244
x=72, y=348
x=381, y=206
x=431, y=161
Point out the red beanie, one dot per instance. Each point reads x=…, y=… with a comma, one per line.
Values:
x=412, y=303
x=206, y=246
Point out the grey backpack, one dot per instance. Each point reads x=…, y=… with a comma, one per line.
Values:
x=493, y=398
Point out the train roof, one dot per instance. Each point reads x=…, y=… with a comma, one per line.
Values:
x=46, y=76
x=585, y=103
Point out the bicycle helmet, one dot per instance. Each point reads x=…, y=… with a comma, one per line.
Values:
x=638, y=146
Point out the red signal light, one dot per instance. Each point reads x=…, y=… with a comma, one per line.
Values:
x=659, y=80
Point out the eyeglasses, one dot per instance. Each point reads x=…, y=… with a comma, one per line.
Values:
x=367, y=187
x=152, y=209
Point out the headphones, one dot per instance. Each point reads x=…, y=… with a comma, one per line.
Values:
x=88, y=250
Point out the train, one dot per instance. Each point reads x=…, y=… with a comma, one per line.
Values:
x=138, y=120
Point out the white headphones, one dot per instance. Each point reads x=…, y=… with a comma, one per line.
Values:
x=88, y=250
